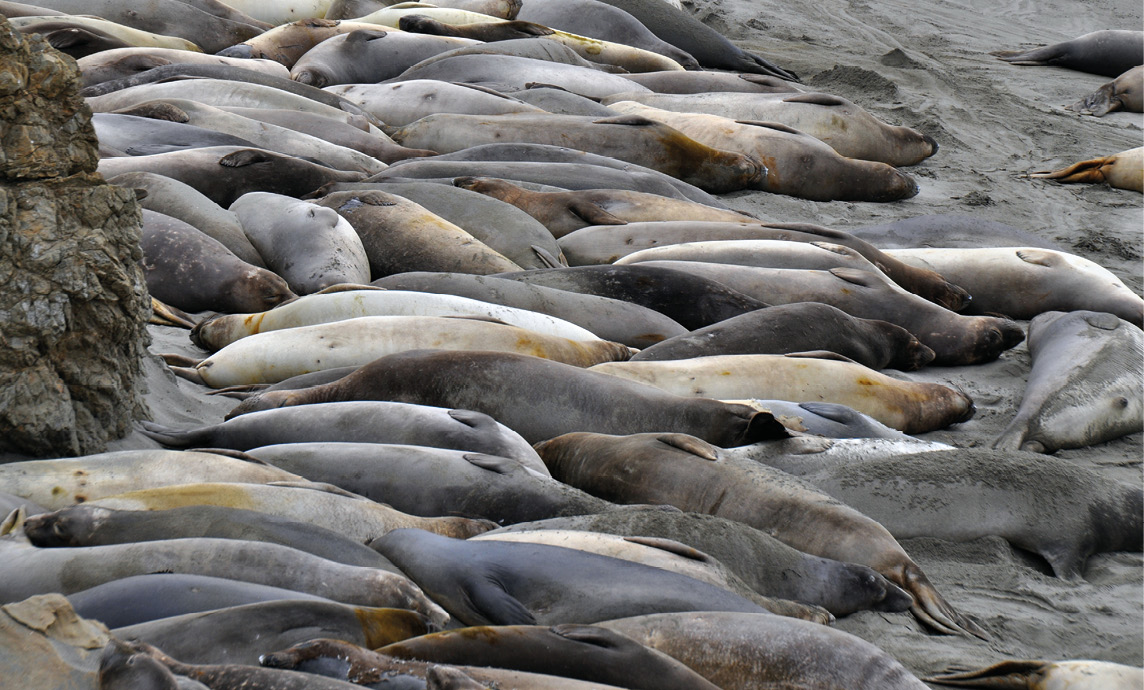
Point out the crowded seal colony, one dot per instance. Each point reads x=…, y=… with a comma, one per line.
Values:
x=612, y=344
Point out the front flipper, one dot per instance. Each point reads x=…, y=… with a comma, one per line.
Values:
x=930, y=607
x=489, y=600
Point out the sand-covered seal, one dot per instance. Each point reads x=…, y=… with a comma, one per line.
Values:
x=1086, y=385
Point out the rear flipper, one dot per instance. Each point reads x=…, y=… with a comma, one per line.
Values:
x=240, y=392
x=173, y=438
x=931, y=608
x=1037, y=56
x=1091, y=171
x=1046, y=674
x=166, y=315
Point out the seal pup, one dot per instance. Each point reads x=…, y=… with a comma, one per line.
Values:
x=742, y=651
x=537, y=398
x=1124, y=170
x=798, y=327
x=1126, y=92
x=1107, y=53
x=679, y=470
x=1085, y=385
x=504, y=583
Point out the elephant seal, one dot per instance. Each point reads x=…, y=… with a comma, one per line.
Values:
x=224, y=173
x=1126, y=92
x=367, y=57
x=668, y=555
x=311, y=247
x=217, y=332
x=364, y=422
x=955, y=339
x=432, y=482
x=598, y=20
x=612, y=244
x=628, y=57
x=575, y=651
x=155, y=596
x=1107, y=53
x=948, y=230
x=89, y=525
x=138, y=136
x=181, y=201
x=273, y=356
x=827, y=419
x=193, y=272
x=557, y=101
x=703, y=82
x=114, y=64
x=537, y=398
x=371, y=142
x=1085, y=386
x=767, y=565
x=1065, y=514
x=77, y=41
x=400, y=235
x=502, y=583
x=64, y=482
x=794, y=163
x=1047, y=675
x=505, y=229
x=108, y=34
x=610, y=319
x=286, y=43
x=710, y=48
x=910, y=407
x=738, y=651
x=338, y=659
x=218, y=677
x=799, y=327
x=691, y=301
x=566, y=212
x=404, y=102
x=634, y=139
x=819, y=256
x=1022, y=282
x=679, y=470
x=1124, y=170
x=240, y=634
x=845, y=126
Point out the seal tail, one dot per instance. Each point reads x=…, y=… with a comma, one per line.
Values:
x=1007, y=674
x=932, y=609
x=168, y=436
x=1037, y=56
x=1084, y=171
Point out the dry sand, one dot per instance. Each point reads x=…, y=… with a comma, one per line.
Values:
x=926, y=65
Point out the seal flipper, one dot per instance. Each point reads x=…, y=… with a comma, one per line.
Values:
x=593, y=214
x=450, y=678
x=174, y=438
x=494, y=604
x=816, y=99
x=1007, y=674
x=1084, y=171
x=929, y=606
x=673, y=547
x=690, y=444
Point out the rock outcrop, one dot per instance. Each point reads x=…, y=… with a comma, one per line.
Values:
x=73, y=303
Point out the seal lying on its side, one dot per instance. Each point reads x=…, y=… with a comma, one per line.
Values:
x=1085, y=386
x=1107, y=53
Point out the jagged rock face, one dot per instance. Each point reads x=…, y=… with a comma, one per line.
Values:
x=73, y=303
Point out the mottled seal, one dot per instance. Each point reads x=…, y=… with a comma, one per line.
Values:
x=537, y=398
x=1126, y=92
x=677, y=470
x=740, y=651
x=1108, y=53
x=501, y=583
x=799, y=327
x=193, y=272
x=1124, y=170
x=910, y=407
x=1085, y=386
x=635, y=139
x=848, y=128
x=400, y=235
